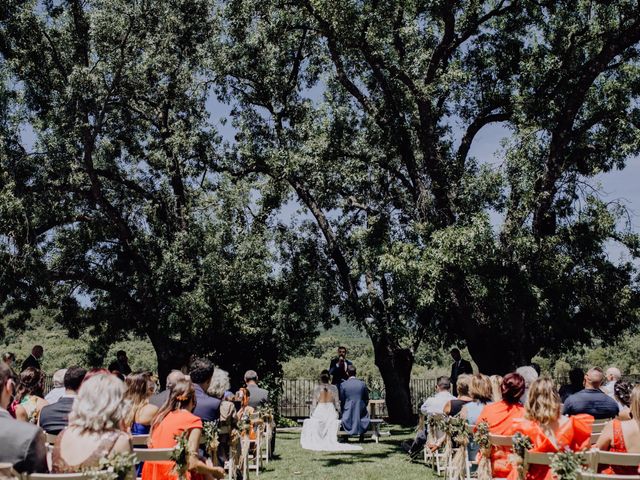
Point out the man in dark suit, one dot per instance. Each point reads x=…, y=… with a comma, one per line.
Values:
x=459, y=366
x=121, y=364
x=33, y=360
x=207, y=407
x=160, y=398
x=21, y=444
x=338, y=367
x=55, y=417
x=257, y=396
x=354, y=399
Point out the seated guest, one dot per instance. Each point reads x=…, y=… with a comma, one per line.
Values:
x=623, y=436
x=496, y=387
x=258, y=396
x=9, y=359
x=500, y=415
x=140, y=387
x=200, y=373
x=159, y=399
x=95, y=426
x=622, y=396
x=55, y=417
x=219, y=388
x=173, y=419
x=454, y=406
x=23, y=444
x=435, y=404
x=591, y=399
x=58, y=387
x=530, y=375
x=612, y=376
x=481, y=395
x=549, y=431
x=576, y=383
x=28, y=401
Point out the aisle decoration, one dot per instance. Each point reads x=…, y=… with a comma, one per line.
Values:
x=121, y=466
x=481, y=437
x=211, y=440
x=458, y=433
x=180, y=455
x=567, y=464
x=521, y=444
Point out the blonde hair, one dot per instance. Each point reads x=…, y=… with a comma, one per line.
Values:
x=100, y=405
x=462, y=384
x=139, y=388
x=480, y=388
x=635, y=404
x=543, y=404
x=496, y=387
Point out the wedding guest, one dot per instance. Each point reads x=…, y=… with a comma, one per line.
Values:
x=576, y=383
x=94, y=372
x=354, y=399
x=481, y=395
x=220, y=388
x=547, y=429
x=622, y=396
x=28, y=401
x=338, y=367
x=591, y=400
x=9, y=359
x=530, y=375
x=140, y=387
x=58, y=387
x=95, y=428
x=435, y=404
x=200, y=373
x=33, y=360
x=173, y=419
x=458, y=367
x=258, y=396
x=159, y=399
x=612, y=375
x=496, y=387
x=23, y=444
x=623, y=436
x=500, y=415
x=55, y=417
x=453, y=407
x=120, y=366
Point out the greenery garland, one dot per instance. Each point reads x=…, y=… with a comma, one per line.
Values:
x=481, y=437
x=211, y=440
x=567, y=464
x=457, y=429
x=121, y=466
x=521, y=444
x=180, y=455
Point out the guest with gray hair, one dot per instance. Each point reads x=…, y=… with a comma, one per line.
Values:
x=613, y=375
x=96, y=424
x=257, y=396
x=530, y=375
x=58, y=387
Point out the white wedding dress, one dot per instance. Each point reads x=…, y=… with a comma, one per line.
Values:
x=320, y=431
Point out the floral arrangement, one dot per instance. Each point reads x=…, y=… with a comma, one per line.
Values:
x=457, y=429
x=180, y=456
x=120, y=466
x=567, y=464
x=481, y=437
x=211, y=440
x=521, y=444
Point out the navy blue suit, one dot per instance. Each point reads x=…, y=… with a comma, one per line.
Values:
x=354, y=398
x=207, y=407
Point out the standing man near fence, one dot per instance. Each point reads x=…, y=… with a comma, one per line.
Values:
x=458, y=367
x=338, y=367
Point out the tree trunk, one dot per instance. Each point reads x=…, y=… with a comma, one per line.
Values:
x=395, y=366
x=171, y=355
x=497, y=355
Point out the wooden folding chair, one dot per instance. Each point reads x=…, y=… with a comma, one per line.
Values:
x=139, y=440
x=153, y=454
x=614, y=459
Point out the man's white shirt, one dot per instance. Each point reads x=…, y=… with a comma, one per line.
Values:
x=435, y=404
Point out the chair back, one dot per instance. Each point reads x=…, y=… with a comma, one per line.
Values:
x=139, y=440
x=153, y=454
x=51, y=438
x=603, y=476
x=59, y=476
x=597, y=427
x=501, y=440
x=618, y=459
x=537, y=458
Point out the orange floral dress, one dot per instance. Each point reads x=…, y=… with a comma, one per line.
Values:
x=618, y=445
x=575, y=434
x=500, y=416
x=164, y=436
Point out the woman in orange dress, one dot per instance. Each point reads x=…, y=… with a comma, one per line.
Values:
x=549, y=431
x=623, y=436
x=173, y=419
x=500, y=416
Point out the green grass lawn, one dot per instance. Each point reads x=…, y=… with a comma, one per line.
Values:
x=385, y=460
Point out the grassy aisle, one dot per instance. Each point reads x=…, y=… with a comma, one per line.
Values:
x=382, y=461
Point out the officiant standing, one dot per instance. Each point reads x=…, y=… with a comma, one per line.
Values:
x=338, y=367
x=458, y=367
x=354, y=398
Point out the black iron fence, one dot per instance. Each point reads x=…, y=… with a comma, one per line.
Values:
x=295, y=401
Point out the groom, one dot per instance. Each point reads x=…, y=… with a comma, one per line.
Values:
x=354, y=397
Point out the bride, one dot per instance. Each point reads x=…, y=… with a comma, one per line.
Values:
x=320, y=431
